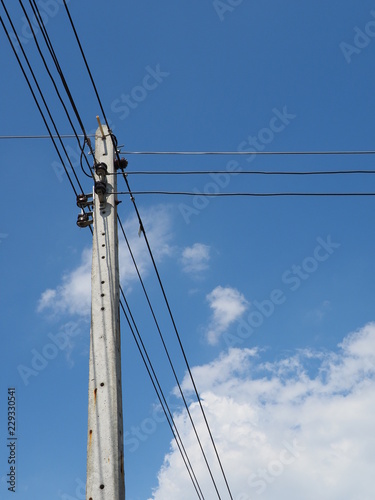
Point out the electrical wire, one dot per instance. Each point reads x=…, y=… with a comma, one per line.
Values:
x=91, y=175
x=246, y=172
x=52, y=52
x=247, y=153
x=142, y=229
x=217, y=195
x=37, y=16
x=165, y=346
x=163, y=402
x=86, y=63
x=153, y=260
x=36, y=100
x=63, y=136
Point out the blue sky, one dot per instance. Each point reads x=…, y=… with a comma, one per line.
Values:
x=273, y=297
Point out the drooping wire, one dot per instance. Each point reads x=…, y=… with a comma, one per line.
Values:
x=91, y=175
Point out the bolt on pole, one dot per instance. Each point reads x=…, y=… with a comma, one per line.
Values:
x=105, y=452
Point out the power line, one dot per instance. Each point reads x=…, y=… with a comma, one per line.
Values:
x=248, y=153
x=63, y=136
x=52, y=52
x=187, y=153
x=246, y=172
x=142, y=229
x=86, y=63
x=160, y=394
x=227, y=195
x=164, y=345
x=47, y=41
x=35, y=98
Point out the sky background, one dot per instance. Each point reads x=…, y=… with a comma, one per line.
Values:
x=273, y=297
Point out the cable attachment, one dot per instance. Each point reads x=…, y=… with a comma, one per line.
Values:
x=101, y=171
x=122, y=163
x=84, y=219
x=84, y=200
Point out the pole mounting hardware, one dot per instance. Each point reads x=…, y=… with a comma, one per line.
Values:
x=84, y=219
x=84, y=200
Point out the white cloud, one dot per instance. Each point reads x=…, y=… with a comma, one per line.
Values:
x=300, y=427
x=73, y=295
x=195, y=259
x=227, y=304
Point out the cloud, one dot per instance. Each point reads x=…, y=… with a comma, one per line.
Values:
x=195, y=259
x=227, y=304
x=73, y=295
x=298, y=427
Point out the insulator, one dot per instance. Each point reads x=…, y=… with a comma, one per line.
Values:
x=82, y=200
x=100, y=188
x=84, y=220
x=101, y=169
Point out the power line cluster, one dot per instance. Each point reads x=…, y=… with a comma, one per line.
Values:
x=55, y=74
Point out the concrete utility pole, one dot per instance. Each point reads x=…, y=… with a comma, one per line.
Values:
x=105, y=450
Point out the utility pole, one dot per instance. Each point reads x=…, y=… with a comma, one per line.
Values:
x=105, y=450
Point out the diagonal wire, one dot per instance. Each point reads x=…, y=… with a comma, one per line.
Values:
x=142, y=229
x=36, y=100
x=86, y=63
x=155, y=382
x=162, y=338
x=52, y=52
